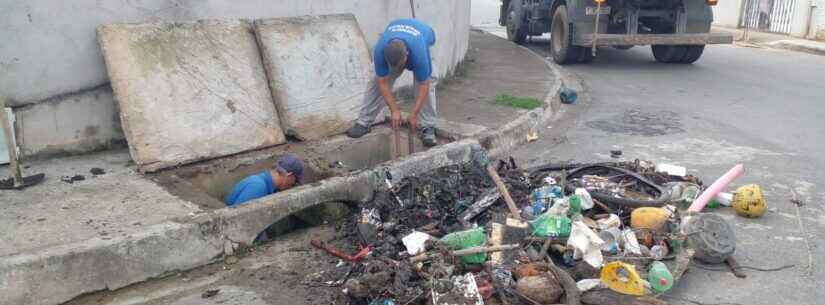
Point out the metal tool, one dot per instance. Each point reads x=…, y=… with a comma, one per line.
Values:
x=388, y=183
x=17, y=182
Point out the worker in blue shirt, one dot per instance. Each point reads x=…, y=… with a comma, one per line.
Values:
x=405, y=44
x=288, y=171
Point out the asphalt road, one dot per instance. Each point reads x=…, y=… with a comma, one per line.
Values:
x=759, y=107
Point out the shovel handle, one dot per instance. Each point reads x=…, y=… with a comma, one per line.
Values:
x=503, y=190
x=396, y=135
x=10, y=146
x=410, y=140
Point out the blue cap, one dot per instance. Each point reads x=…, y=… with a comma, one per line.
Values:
x=292, y=164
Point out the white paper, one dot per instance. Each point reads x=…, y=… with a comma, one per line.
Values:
x=415, y=242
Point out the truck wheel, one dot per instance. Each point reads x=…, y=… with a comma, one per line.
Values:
x=561, y=39
x=515, y=33
x=678, y=54
x=693, y=53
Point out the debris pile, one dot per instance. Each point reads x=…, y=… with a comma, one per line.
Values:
x=600, y=233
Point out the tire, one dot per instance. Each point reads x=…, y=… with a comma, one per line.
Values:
x=561, y=39
x=693, y=54
x=585, y=55
x=677, y=54
x=515, y=33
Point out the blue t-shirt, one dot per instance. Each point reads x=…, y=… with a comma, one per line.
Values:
x=252, y=187
x=418, y=37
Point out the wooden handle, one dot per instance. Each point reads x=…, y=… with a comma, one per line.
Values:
x=503, y=190
x=410, y=141
x=396, y=134
x=12, y=148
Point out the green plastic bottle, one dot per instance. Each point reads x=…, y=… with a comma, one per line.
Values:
x=467, y=239
x=575, y=205
x=659, y=277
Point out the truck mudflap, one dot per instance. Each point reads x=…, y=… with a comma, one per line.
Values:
x=653, y=39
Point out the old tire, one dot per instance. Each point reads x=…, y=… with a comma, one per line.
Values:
x=561, y=39
x=515, y=33
x=677, y=54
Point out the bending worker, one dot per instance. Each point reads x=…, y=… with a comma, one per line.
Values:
x=405, y=44
x=288, y=171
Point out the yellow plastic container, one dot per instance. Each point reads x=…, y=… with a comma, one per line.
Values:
x=622, y=278
x=748, y=201
x=648, y=218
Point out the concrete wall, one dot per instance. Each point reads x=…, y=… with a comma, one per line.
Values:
x=726, y=13
x=50, y=52
x=817, y=28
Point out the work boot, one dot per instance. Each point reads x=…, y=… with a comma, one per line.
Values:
x=358, y=131
x=428, y=136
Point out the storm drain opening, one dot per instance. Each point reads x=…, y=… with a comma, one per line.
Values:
x=207, y=183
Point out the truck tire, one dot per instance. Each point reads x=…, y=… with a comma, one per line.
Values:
x=693, y=53
x=677, y=54
x=561, y=39
x=515, y=32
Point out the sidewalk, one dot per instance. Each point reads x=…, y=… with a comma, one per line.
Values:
x=100, y=232
x=777, y=41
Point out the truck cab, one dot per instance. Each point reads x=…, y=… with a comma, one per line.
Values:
x=676, y=30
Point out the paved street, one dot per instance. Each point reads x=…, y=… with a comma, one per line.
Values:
x=759, y=107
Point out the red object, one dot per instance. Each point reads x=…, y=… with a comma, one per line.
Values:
x=663, y=281
x=357, y=257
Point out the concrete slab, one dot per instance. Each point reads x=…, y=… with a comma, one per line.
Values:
x=319, y=68
x=115, y=204
x=189, y=91
x=84, y=122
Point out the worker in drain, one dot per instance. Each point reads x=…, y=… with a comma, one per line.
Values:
x=405, y=44
x=288, y=171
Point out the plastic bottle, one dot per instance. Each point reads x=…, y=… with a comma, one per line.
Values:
x=658, y=252
x=467, y=239
x=659, y=277
x=689, y=193
x=575, y=205
x=587, y=200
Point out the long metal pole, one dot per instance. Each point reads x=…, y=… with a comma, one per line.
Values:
x=412, y=8
x=12, y=148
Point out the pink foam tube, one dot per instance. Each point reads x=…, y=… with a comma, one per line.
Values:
x=716, y=187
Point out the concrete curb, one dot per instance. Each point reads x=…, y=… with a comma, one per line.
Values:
x=58, y=274
x=499, y=142
x=811, y=47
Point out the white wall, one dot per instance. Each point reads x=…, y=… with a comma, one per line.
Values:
x=50, y=53
x=726, y=12
x=817, y=29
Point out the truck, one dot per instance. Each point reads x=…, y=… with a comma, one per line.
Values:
x=676, y=30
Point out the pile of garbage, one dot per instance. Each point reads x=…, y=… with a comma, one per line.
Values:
x=476, y=233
